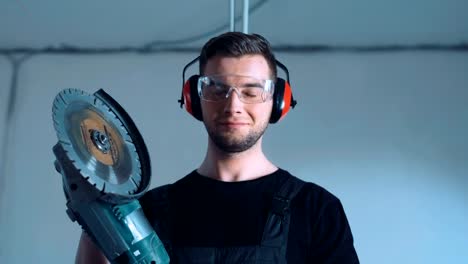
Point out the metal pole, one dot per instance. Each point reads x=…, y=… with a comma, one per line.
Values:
x=245, y=16
x=5, y=151
x=231, y=15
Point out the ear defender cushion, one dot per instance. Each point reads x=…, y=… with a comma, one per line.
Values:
x=191, y=97
x=282, y=99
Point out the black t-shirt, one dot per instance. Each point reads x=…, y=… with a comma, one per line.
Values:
x=209, y=213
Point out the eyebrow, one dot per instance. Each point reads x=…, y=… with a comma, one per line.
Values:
x=251, y=84
x=224, y=84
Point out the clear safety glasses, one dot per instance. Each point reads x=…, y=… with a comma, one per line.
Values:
x=250, y=90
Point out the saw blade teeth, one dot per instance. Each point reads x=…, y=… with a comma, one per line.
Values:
x=134, y=181
x=54, y=107
x=131, y=146
x=63, y=99
x=121, y=175
x=90, y=179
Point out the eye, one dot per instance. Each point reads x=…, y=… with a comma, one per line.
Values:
x=251, y=92
x=217, y=89
x=221, y=86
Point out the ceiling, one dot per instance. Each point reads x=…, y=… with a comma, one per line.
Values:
x=117, y=23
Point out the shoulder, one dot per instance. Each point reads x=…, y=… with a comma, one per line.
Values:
x=318, y=218
x=318, y=207
x=154, y=201
x=311, y=193
x=159, y=196
x=162, y=192
x=317, y=195
x=155, y=194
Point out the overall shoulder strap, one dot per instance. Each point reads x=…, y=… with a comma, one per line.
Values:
x=277, y=225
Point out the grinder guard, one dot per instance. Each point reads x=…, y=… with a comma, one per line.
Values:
x=105, y=168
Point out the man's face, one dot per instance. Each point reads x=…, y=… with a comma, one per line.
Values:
x=234, y=126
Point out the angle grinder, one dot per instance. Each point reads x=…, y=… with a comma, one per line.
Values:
x=105, y=168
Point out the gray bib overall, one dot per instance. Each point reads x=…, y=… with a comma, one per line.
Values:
x=272, y=248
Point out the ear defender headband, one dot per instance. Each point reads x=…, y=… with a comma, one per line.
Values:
x=283, y=99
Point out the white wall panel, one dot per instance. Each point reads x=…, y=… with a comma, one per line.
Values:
x=385, y=132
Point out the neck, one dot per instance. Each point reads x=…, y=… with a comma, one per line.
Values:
x=230, y=167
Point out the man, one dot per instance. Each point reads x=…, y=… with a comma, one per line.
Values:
x=238, y=207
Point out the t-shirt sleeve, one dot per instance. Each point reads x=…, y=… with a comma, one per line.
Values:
x=332, y=238
x=155, y=205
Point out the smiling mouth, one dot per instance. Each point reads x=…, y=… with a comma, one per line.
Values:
x=233, y=124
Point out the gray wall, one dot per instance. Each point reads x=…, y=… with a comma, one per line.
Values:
x=385, y=132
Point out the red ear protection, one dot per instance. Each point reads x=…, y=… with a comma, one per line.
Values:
x=191, y=97
x=282, y=97
x=282, y=100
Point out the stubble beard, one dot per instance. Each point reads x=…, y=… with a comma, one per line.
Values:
x=229, y=143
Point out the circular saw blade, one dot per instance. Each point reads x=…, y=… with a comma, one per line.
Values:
x=97, y=142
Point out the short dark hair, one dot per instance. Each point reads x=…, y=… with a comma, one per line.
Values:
x=237, y=44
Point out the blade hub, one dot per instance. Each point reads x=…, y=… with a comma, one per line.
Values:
x=100, y=140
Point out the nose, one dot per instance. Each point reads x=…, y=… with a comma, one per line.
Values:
x=233, y=103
